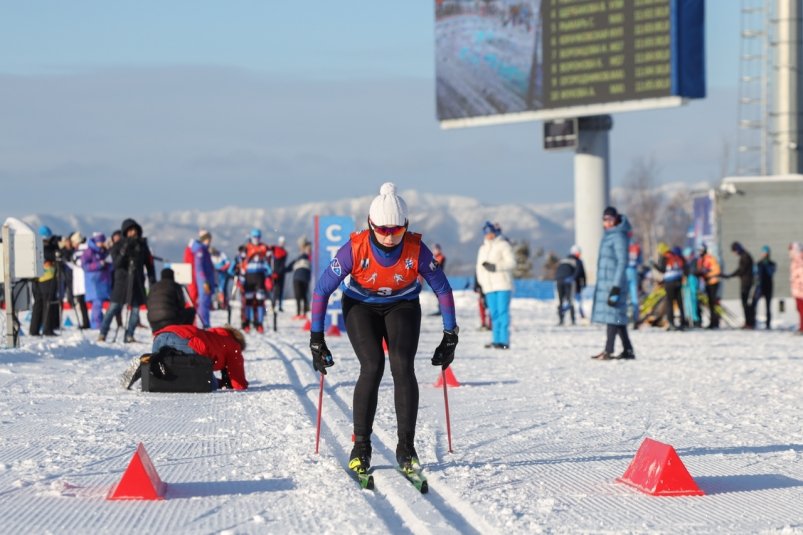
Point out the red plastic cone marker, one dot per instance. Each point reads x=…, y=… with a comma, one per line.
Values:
x=384, y=345
x=656, y=469
x=307, y=325
x=448, y=376
x=334, y=330
x=140, y=480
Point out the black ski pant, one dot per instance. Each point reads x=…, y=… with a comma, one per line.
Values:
x=747, y=307
x=45, y=310
x=758, y=295
x=301, y=292
x=400, y=324
x=81, y=306
x=278, y=292
x=711, y=292
x=674, y=295
x=621, y=330
x=565, y=300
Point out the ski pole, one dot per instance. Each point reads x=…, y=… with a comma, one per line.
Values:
x=446, y=404
x=320, y=409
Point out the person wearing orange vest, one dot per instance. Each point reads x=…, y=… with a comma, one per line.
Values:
x=672, y=265
x=278, y=262
x=708, y=268
x=380, y=301
x=255, y=281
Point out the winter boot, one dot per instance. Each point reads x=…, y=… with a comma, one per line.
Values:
x=360, y=458
x=627, y=354
x=128, y=339
x=405, y=452
x=603, y=356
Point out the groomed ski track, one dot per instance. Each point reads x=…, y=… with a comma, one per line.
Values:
x=440, y=511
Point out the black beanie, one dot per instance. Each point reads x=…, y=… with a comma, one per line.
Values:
x=610, y=211
x=168, y=273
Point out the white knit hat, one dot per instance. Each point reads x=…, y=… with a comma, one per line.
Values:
x=388, y=209
x=76, y=238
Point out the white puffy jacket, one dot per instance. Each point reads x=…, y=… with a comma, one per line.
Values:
x=499, y=252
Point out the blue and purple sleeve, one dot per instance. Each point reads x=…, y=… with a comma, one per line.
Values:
x=433, y=274
x=330, y=279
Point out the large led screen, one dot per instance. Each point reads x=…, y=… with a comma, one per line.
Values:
x=498, y=57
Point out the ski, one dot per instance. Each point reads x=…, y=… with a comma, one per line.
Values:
x=363, y=473
x=413, y=474
x=365, y=479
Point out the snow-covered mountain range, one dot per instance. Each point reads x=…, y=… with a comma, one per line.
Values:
x=455, y=222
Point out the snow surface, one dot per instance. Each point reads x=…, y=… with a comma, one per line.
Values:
x=540, y=434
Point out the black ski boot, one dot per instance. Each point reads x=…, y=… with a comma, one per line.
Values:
x=405, y=453
x=360, y=458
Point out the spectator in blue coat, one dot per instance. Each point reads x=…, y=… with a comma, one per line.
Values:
x=225, y=269
x=610, y=305
x=97, y=276
x=204, y=274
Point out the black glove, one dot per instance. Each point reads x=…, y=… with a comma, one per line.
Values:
x=613, y=297
x=490, y=267
x=444, y=353
x=321, y=356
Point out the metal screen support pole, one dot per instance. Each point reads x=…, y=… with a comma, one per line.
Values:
x=591, y=187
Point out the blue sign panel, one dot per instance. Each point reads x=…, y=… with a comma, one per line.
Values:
x=331, y=233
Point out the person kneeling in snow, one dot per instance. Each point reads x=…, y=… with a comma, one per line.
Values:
x=224, y=345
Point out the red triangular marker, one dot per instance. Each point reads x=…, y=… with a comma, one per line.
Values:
x=140, y=480
x=307, y=325
x=657, y=470
x=333, y=330
x=451, y=380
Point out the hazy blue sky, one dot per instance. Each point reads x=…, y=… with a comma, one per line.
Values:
x=140, y=106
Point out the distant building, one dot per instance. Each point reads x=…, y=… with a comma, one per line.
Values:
x=757, y=211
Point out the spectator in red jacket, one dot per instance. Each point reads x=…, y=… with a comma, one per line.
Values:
x=224, y=345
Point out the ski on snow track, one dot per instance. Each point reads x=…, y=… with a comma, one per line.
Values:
x=414, y=476
x=365, y=479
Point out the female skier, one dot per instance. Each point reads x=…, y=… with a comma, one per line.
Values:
x=381, y=301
